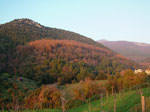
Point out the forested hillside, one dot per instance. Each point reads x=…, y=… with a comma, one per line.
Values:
x=26, y=30
x=133, y=50
x=21, y=31
x=66, y=61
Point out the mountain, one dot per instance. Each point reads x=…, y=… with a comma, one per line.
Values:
x=26, y=30
x=133, y=50
x=48, y=55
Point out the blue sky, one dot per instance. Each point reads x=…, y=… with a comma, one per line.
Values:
x=98, y=19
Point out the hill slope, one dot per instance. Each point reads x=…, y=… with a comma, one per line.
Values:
x=68, y=60
x=26, y=30
x=22, y=31
x=133, y=50
x=129, y=102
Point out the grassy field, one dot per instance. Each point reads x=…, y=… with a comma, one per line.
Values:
x=125, y=102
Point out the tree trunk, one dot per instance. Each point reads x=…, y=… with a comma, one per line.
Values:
x=112, y=90
x=143, y=102
x=100, y=101
x=107, y=95
x=120, y=91
x=115, y=102
x=63, y=101
x=89, y=104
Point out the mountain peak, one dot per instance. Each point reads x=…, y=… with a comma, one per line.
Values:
x=26, y=21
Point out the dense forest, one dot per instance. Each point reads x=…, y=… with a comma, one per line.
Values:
x=66, y=61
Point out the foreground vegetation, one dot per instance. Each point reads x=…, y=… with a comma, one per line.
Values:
x=129, y=101
x=125, y=102
x=88, y=95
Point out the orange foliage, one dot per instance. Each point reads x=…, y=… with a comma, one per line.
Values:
x=46, y=43
x=44, y=97
x=88, y=89
x=71, y=50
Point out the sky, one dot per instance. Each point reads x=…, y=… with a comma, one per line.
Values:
x=97, y=19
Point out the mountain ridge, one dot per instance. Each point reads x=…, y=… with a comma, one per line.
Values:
x=30, y=32
x=133, y=50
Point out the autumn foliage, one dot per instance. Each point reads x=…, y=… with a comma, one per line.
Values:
x=72, y=51
x=44, y=97
x=63, y=61
x=89, y=89
x=128, y=80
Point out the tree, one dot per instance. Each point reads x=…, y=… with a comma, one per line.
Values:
x=44, y=97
